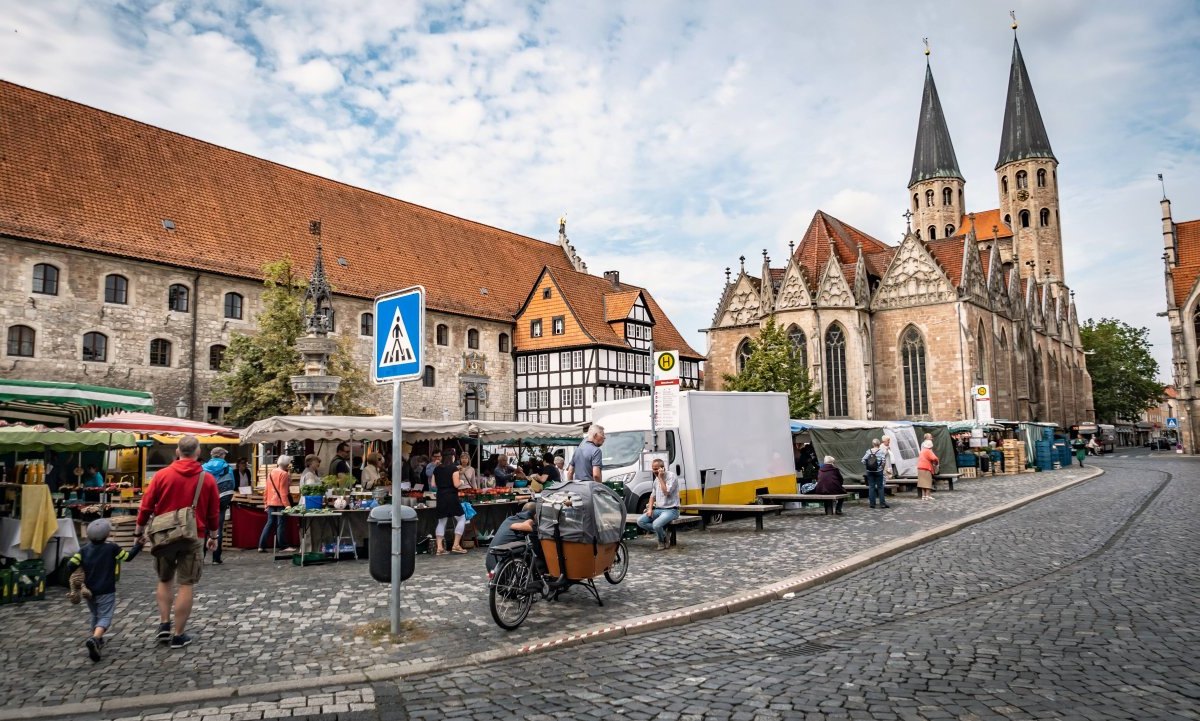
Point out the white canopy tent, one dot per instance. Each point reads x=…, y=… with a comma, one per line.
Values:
x=379, y=428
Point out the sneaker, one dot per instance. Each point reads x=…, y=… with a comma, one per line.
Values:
x=180, y=641
x=662, y=546
x=873, y=505
x=164, y=632
x=93, y=646
x=262, y=550
x=885, y=506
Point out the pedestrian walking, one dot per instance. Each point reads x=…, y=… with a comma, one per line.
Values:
x=220, y=469
x=588, y=458
x=100, y=562
x=276, y=497
x=177, y=487
x=829, y=482
x=447, y=480
x=1080, y=449
x=874, y=461
x=663, y=506
x=927, y=465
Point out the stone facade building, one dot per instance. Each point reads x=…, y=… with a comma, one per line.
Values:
x=1181, y=258
x=966, y=299
x=132, y=255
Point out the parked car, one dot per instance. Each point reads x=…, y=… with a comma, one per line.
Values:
x=1159, y=444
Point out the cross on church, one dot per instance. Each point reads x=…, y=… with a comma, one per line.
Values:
x=908, y=219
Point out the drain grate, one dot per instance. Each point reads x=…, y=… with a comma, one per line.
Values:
x=808, y=648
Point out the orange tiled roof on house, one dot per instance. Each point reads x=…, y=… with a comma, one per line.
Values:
x=78, y=177
x=1187, y=244
x=985, y=220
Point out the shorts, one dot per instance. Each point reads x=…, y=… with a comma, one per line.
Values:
x=179, y=561
x=102, y=608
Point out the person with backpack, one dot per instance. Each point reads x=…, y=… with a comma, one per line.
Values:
x=875, y=461
x=220, y=469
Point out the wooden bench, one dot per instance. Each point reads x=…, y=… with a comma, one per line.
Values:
x=706, y=511
x=861, y=489
x=949, y=478
x=674, y=526
x=827, y=499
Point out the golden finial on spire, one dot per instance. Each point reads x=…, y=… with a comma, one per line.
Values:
x=926, y=41
x=562, y=222
x=1013, y=14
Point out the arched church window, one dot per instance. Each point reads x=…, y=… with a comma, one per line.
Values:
x=799, y=345
x=836, y=405
x=981, y=374
x=1022, y=179
x=912, y=362
x=933, y=232
x=949, y=231
x=916, y=202
x=947, y=196
x=960, y=198
x=1045, y=217
x=1024, y=218
x=743, y=354
x=1004, y=184
x=1008, y=220
x=1041, y=177
x=929, y=198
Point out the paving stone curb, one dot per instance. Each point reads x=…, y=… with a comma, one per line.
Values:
x=739, y=601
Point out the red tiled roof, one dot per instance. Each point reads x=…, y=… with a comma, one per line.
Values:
x=877, y=263
x=848, y=271
x=826, y=232
x=948, y=252
x=1187, y=244
x=75, y=176
x=617, y=305
x=985, y=220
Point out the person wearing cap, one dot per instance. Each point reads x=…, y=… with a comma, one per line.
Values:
x=101, y=561
x=276, y=497
x=226, y=485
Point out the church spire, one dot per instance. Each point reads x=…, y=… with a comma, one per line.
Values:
x=1023, y=135
x=934, y=154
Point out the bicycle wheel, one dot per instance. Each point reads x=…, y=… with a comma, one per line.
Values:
x=615, y=573
x=508, y=596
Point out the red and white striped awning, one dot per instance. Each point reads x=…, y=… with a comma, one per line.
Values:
x=150, y=423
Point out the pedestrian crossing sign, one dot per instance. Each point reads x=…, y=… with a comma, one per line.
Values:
x=399, y=336
x=1172, y=423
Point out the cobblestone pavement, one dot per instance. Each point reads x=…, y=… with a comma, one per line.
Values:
x=256, y=621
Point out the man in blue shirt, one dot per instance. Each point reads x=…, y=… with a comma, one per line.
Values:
x=588, y=458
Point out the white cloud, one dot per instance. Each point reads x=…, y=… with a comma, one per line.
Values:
x=317, y=76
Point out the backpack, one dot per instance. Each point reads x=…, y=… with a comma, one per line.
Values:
x=872, y=462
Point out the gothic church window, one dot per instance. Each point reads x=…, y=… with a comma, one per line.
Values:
x=177, y=298
x=743, y=355
x=1008, y=220
x=933, y=232
x=1024, y=218
x=947, y=196
x=160, y=353
x=1041, y=177
x=929, y=198
x=1022, y=179
x=916, y=202
x=912, y=357
x=21, y=340
x=1004, y=184
x=981, y=374
x=949, y=231
x=95, y=347
x=45, y=279
x=836, y=405
x=1045, y=217
x=799, y=345
x=116, y=289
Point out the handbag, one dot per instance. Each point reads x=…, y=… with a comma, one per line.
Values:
x=468, y=510
x=176, y=526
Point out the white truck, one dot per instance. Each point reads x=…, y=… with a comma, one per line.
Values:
x=726, y=448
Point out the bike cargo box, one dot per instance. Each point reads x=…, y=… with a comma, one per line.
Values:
x=583, y=560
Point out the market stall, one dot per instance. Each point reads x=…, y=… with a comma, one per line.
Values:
x=65, y=404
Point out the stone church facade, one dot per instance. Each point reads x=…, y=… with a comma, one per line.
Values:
x=1181, y=259
x=965, y=299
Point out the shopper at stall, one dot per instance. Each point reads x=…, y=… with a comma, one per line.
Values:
x=226, y=485
x=172, y=489
x=588, y=458
x=276, y=497
x=435, y=460
x=100, y=562
x=372, y=472
x=927, y=465
x=447, y=480
x=874, y=461
x=465, y=471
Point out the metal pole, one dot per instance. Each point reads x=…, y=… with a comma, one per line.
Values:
x=397, y=459
x=653, y=396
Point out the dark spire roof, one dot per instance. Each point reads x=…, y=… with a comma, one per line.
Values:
x=1024, y=134
x=934, y=154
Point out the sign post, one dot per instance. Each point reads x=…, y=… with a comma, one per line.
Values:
x=983, y=403
x=666, y=389
x=399, y=357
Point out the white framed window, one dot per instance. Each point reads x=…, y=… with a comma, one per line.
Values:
x=521, y=364
x=564, y=360
x=544, y=363
x=544, y=398
x=531, y=403
x=535, y=328
x=578, y=393
x=577, y=359
x=558, y=325
x=620, y=361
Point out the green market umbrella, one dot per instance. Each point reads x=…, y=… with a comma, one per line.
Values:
x=65, y=404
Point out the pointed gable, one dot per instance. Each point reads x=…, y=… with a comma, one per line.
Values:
x=793, y=291
x=913, y=278
x=834, y=289
x=974, y=280
x=743, y=306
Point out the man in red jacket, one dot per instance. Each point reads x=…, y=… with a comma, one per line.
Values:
x=171, y=489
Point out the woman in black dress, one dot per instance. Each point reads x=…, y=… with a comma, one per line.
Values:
x=447, y=481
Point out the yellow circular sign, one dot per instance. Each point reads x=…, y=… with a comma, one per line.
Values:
x=981, y=390
x=666, y=361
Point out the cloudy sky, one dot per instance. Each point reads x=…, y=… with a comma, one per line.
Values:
x=675, y=135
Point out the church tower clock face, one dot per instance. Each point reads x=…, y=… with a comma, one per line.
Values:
x=1022, y=195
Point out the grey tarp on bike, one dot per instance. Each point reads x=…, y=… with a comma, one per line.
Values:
x=583, y=511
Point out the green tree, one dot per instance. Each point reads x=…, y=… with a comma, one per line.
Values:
x=1123, y=370
x=776, y=365
x=257, y=369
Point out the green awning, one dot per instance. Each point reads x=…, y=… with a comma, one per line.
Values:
x=65, y=404
x=25, y=438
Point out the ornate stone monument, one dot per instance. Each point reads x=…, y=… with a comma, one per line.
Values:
x=316, y=387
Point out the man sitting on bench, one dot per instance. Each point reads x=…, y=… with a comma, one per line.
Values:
x=663, y=506
x=829, y=482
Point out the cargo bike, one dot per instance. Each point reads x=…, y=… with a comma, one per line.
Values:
x=576, y=539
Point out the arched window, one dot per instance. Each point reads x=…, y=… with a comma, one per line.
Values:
x=366, y=324
x=1022, y=179
x=947, y=196
x=916, y=202
x=429, y=378
x=1008, y=220
x=160, y=352
x=1004, y=184
x=912, y=361
x=443, y=335
x=45, y=279
x=177, y=298
x=20, y=341
x=116, y=289
x=799, y=344
x=1024, y=218
x=216, y=356
x=95, y=347
x=473, y=339
x=1041, y=177
x=933, y=232
x=960, y=198
x=1045, y=217
x=743, y=355
x=835, y=372
x=233, y=306
x=981, y=365
x=503, y=343
x=929, y=198
x=949, y=231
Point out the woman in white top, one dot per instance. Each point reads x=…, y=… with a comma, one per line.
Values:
x=465, y=472
x=309, y=476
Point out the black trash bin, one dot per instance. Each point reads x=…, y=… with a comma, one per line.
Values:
x=379, y=545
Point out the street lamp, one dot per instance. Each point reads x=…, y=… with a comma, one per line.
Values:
x=181, y=408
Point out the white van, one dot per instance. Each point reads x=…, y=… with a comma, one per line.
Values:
x=726, y=448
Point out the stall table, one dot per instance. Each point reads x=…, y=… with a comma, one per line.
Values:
x=62, y=545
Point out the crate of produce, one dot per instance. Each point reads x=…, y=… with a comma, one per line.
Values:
x=30, y=580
